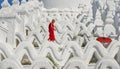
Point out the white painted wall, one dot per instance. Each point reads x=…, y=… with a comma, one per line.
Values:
x=61, y=3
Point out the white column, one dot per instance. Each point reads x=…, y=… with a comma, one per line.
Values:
x=11, y=32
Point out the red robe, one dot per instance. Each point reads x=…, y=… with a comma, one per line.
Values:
x=51, y=32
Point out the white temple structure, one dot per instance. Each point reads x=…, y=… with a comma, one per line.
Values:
x=78, y=23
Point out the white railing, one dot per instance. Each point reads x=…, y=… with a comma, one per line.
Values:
x=81, y=57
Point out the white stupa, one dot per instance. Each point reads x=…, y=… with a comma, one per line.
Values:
x=61, y=3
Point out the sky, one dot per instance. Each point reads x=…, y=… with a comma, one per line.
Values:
x=10, y=2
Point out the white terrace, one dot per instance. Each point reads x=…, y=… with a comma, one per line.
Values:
x=24, y=34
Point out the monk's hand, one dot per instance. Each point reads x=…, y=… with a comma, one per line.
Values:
x=55, y=29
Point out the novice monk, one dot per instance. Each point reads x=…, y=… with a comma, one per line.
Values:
x=51, y=31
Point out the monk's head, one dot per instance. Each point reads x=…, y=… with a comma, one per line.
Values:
x=53, y=20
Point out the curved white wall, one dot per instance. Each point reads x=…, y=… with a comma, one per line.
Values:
x=61, y=3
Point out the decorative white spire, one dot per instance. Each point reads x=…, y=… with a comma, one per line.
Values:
x=109, y=18
x=98, y=20
x=15, y=1
x=5, y=4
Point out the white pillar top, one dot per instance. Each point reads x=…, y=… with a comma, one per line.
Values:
x=5, y=4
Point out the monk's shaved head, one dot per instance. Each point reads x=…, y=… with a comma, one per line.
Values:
x=53, y=20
